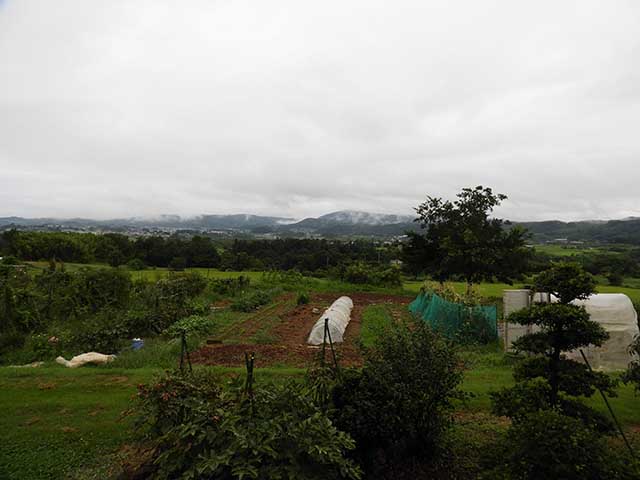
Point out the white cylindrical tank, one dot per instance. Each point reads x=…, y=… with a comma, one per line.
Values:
x=514, y=300
x=338, y=315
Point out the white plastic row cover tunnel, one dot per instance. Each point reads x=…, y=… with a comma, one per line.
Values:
x=338, y=314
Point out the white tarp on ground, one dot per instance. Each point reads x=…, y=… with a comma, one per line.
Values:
x=83, y=359
x=614, y=311
x=338, y=314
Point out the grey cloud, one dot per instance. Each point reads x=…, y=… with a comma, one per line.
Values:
x=299, y=108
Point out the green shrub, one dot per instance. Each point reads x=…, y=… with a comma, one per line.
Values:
x=168, y=300
x=177, y=264
x=136, y=264
x=11, y=339
x=95, y=289
x=632, y=375
x=104, y=332
x=574, y=378
x=549, y=445
x=303, y=299
x=202, y=431
x=530, y=396
x=615, y=279
x=362, y=273
x=230, y=286
x=192, y=324
x=250, y=301
x=10, y=260
x=399, y=405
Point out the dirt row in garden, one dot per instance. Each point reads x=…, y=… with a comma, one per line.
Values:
x=290, y=332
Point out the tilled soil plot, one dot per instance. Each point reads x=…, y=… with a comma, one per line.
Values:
x=291, y=332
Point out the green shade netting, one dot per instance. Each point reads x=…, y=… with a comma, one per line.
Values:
x=455, y=320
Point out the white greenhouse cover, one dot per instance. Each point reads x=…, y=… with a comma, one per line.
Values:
x=615, y=312
x=339, y=314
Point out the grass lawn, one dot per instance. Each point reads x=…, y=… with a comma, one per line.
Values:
x=490, y=290
x=63, y=423
x=374, y=319
x=67, y=423
x=565, y=250
x=56, y=421
x=494, y=290
x=156, y=273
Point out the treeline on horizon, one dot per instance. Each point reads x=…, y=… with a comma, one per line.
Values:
x=305, y=255
x=318, y=256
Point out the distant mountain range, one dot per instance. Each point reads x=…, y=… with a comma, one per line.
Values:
x=342, y=223
x=346, y=223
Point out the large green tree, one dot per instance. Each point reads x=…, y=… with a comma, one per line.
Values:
x=461, y=240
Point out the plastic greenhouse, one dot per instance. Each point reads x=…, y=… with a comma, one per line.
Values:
x=339, y=315
x=614, y=311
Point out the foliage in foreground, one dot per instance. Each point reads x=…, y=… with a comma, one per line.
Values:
x=632, y=375
x=200, y=430
x=548, y=445
x=399, y=405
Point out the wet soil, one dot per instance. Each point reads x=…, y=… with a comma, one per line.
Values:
x=289, y=326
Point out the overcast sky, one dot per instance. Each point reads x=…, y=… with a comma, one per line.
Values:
x=298, y=108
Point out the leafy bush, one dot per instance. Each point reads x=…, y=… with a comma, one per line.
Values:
x=98, y=288
x=11, y=339
x=44, y=346
x=104, y=332
x=136, y=264
x=198, y=306
x=399, y=404
x=549, y=445
x=10, y=260
x=192, y=324
x=202, y=431
x=574, y=378
x=615, y=279
x=230, y=286
x=183, y=284
x=531, y=396
x=168, y=300
x=303, y=299
x=362, y=273
x=447, y=291
x=251, y=301
x=178, y=264
x=632, y=375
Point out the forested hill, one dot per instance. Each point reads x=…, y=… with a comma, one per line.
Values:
x=343, y=224
x=613, y=231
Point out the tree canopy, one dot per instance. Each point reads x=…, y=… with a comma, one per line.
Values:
x=460, y=239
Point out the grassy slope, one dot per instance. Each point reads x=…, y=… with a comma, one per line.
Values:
x=57, y=421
